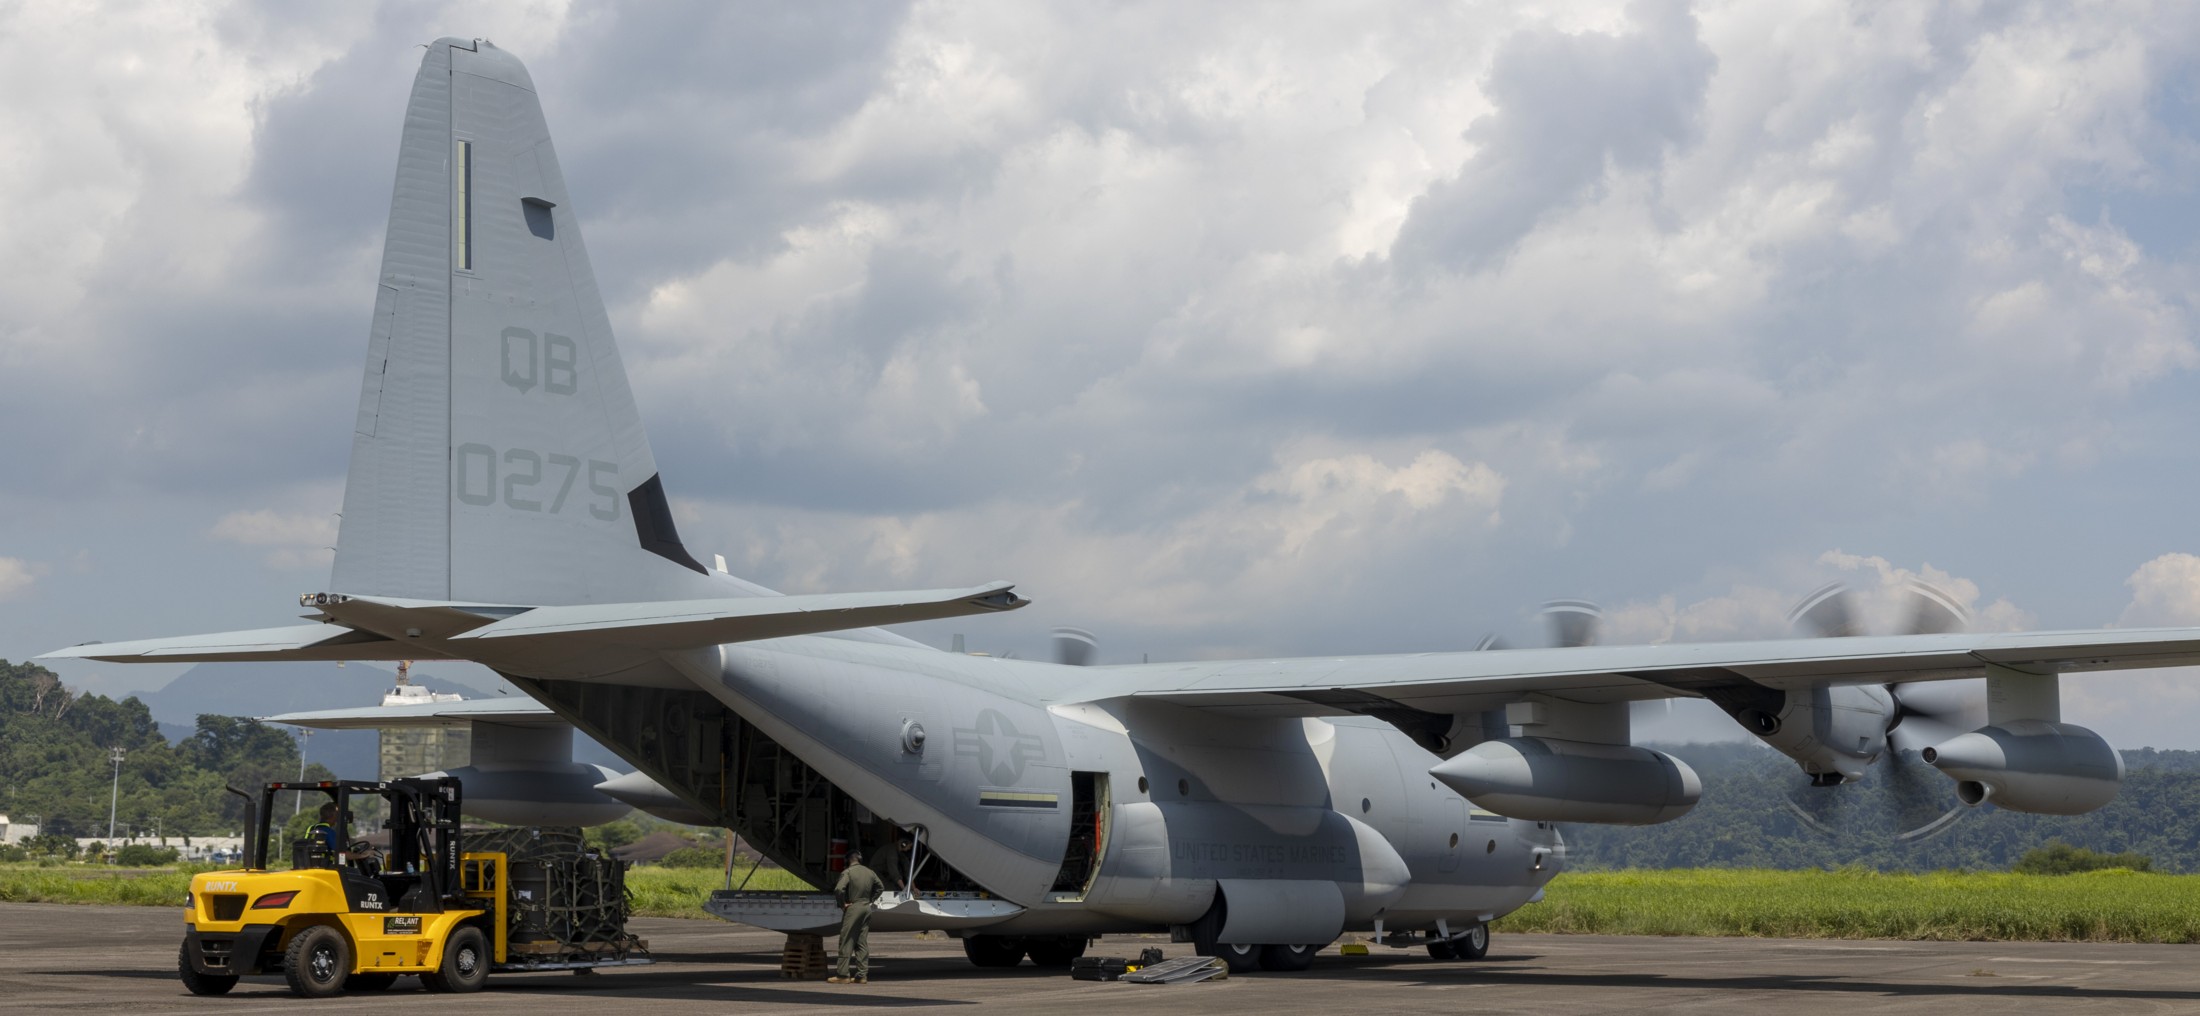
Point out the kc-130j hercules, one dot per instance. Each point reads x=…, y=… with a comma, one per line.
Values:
x=503, y=507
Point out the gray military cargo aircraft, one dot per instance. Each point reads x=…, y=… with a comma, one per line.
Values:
x=503, y=507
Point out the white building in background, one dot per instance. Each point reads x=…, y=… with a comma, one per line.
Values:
x=228, y=849
x=12, y=833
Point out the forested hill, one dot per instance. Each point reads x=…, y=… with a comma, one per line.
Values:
x=1758, y=811
x=54, y=761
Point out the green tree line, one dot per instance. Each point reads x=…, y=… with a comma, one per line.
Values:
x=54, y=766
x=1758, y=811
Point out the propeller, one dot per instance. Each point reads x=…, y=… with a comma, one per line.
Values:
x=1074, y=646
x=1932, y=712
x=1925, y=713
x=1903, y=801
x=1831, y=611
x=1572, y=623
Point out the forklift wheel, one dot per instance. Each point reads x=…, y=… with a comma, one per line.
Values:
x=198, y=983
x=465, y=963
x=317, y=962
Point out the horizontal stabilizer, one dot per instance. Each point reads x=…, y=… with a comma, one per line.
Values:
x=375, y=628
x=693, y=624
x=308, y=642
x=508, y=712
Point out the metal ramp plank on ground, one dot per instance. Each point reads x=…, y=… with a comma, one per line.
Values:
x=1182, y=970
x=815, y=913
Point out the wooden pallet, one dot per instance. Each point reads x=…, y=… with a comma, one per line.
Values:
x=803, y=958
x=552, y=947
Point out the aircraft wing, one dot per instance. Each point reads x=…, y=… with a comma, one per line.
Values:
x=1468, y=681
x=507, y=711
x=382, y=628
x=312, y=642
x=688, y=624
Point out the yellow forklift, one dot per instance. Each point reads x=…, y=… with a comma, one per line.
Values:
x=345, y=917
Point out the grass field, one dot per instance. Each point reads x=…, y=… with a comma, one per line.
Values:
x=680, y=892
x=657, y=892
x=2104, y=906
x=73, y=883
x=2107, y=906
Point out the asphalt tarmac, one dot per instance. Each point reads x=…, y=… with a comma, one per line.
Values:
x=122, y=959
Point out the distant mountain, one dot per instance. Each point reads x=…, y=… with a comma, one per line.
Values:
x=266, y=689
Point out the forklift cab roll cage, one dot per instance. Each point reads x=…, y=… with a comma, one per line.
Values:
x=419, y=872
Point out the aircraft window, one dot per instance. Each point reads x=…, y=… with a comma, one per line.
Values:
x=1142, y=785
x=1455, y=841
x=462, y=205
x=1491, y=849
x=1183, y=788
x=1365, y=804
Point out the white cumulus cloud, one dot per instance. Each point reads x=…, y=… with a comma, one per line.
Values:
x=16, y=577
x=294, y=540
x=2164, y=591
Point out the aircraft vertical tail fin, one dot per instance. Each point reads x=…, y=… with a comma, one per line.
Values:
x=498, y=454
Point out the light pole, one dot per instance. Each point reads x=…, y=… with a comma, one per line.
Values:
x=298, y=797
x=113, y=793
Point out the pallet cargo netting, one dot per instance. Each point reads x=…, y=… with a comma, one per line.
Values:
x=567, y=902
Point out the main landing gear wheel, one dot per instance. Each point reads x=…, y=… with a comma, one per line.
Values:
x=993, y=950
x=465, y=963
x=317, y=961
x=1242, y=958
x=1287, y=957
x=1204, y=932
x=1471, y=944
x=198, y=983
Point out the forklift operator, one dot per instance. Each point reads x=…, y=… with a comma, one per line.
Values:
x=326, y=838
x=325, y=830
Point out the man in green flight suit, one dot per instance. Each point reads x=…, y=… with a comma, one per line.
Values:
x=858, y=886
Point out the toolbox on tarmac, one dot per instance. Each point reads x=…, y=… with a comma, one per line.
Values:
x=1111, y=968
x=1098, y=968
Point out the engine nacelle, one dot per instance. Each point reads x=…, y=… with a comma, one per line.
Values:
x=1833, y=732
x=1547, y=779
x=546, y=793
x=2031, y=765
x=637, y=789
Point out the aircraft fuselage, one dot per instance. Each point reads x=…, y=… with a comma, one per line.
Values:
x=986, y=756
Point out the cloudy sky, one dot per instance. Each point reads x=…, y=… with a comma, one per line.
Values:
x=1222, y=330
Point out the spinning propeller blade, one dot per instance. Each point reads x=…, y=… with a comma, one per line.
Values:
x=1902, y=801
x=1074, y=646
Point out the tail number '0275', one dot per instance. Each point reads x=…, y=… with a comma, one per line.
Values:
x=522, y=484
